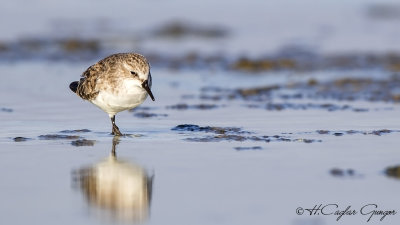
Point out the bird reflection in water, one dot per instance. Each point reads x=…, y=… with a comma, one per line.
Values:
x=117, y=189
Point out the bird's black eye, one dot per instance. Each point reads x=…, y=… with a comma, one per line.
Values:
x=134, y=73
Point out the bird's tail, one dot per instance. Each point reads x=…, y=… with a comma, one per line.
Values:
x=74, y=86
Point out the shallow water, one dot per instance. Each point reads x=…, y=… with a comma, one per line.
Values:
x=221, y=144
x=194, y=182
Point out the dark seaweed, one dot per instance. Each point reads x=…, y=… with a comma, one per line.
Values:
x=76, y=131
x=57, y=137
x=21, y=139
x=82, y=142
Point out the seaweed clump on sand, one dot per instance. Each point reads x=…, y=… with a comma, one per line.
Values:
x=178, y=29
x=220, y=133
x=82, y=142
x=351, y=89
x=393, y=171
x=256, y=91
x=78, y=45
x=232, y=134
x=337, y=172
x=9, y=110
x=351, y=132
x=58, y=137
x=50, y=49
x=380, y=132
x=323, y=131
x=76, y=131
x=258, y=65
x=149, y=115
x=184, y=106
x=216, y=130
x=248, y=148
x=21, y=139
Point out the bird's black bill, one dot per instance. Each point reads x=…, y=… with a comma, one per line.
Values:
x=146, y=87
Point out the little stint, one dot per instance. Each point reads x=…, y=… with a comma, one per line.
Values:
x=116, y=83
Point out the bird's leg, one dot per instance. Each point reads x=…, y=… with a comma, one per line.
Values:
x=115, y=142
x=115, y=130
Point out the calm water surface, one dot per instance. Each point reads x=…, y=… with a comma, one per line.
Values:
x=269, y=162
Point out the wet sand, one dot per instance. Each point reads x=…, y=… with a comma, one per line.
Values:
x=234, y=163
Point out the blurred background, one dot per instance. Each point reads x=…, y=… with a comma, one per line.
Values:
x=262, y=106
x=176, y=30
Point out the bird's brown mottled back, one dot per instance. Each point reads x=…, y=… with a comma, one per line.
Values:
x=107, y=68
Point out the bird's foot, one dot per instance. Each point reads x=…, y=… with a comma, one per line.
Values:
x=115, y=131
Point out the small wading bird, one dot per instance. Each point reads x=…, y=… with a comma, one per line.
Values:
x=116, y=83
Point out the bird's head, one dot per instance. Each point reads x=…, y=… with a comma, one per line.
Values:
x=140, y=71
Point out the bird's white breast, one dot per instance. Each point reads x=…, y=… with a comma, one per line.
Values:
x=127, y=95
